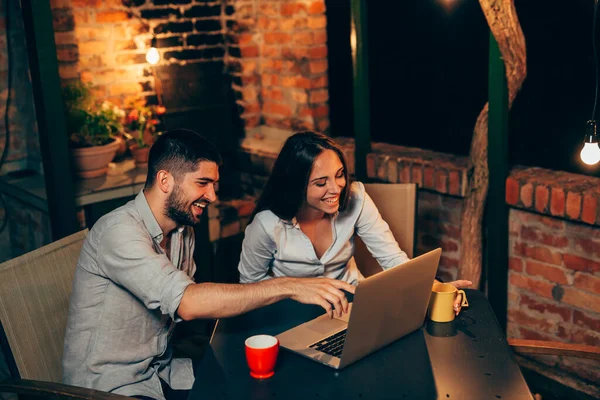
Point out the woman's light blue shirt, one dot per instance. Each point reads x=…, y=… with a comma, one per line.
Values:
x=274, y=247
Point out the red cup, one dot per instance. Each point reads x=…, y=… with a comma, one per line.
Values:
x=261, y=355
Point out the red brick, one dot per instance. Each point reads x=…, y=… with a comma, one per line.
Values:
x=319, y=82
x=591, y=338
x=320, y=37
x=450, y=230
x=541, y=198
x=404, y=176
x=573, y=205
x=111, y=16
x=581, y=299
x=448, y=262
x=441, y=181
x=371, y=170
x=276, y=38
x=322, y=124
x=536, y=235
x=524, y=319
x=249, y=51
x=546, y=308
x=319, y=96
x=272, y=9
x=87, y=3
x=557, y=202
x=267, y=24
x=581, y=264
x=515, y=264
x=316, y=7
x=538, y=253
x=449, y=246
x=318, y=22
x=527, y=194
x=428, y=175
x=417, y=174
x=588, y=246
x=318, y=67
x=277, y=108
x=454, y=183
x=587, y=320
x=553, y=274
x=538, y=287
x=289, y=9
x=272, y=94
x=318, y=52
x=251, y=121
x=587, y=282
x=303, y=38
x=590, y=204
x=512, y=191
x=69, y=53
x=534, y=335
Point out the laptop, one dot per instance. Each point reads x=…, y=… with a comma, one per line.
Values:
x=386, y=307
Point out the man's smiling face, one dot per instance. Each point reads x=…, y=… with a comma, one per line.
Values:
x=192, y=194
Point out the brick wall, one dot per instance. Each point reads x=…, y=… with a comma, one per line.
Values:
x=275, y=51
x=554, y=278
x=278, y=56
x=24, y=145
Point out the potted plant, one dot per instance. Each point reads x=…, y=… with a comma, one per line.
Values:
x=142, y=126
x=92, y=129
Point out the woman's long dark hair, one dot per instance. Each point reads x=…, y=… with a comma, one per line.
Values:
x=285, y=191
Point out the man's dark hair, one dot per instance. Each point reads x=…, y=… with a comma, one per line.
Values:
x=285, y=191
x=179, y=151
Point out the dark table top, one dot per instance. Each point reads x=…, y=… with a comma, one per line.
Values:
x=465, y=359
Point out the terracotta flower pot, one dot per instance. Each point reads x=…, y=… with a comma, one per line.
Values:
x=140, y=154
x=91, y=162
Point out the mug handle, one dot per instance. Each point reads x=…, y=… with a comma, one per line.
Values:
x=465, y=302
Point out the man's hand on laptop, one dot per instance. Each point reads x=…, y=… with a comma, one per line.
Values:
x=459, y=284
x=324, y=292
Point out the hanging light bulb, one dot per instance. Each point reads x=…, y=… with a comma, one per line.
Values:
x=590, y=154
x=152, y=55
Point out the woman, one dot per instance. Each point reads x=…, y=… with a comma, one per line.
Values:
x=306, y=218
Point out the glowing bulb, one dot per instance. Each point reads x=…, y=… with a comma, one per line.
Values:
x=152, y=55
x=590, y=154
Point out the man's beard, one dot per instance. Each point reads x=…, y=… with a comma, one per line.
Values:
x=177, y=211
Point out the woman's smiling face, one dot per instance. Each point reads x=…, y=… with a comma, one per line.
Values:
x=325, y=184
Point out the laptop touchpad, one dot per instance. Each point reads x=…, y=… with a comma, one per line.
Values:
x=326, y=325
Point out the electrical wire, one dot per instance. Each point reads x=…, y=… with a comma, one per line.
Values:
x=595, y=58
x=6, y=107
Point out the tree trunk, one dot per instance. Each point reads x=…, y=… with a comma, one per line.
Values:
x=504, y=25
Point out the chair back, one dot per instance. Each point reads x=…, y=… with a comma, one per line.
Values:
x=34, y=303
x=397, y=204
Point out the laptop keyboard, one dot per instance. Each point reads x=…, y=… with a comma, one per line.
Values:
x=332, y=345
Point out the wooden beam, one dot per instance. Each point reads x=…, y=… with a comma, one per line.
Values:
x=497, y=211
x=362, y=104
x=54, y=147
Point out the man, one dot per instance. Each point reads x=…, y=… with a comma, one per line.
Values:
x=133, y=280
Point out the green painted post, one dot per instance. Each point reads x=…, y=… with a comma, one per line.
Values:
x=360, y=65
x=497, y=210
x=54, y=148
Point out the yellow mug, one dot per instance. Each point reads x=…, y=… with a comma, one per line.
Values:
x=441, y=303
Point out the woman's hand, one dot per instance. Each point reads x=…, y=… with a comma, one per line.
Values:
x=459, y=284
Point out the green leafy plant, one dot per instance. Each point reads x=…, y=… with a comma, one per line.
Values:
x=89, y=122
